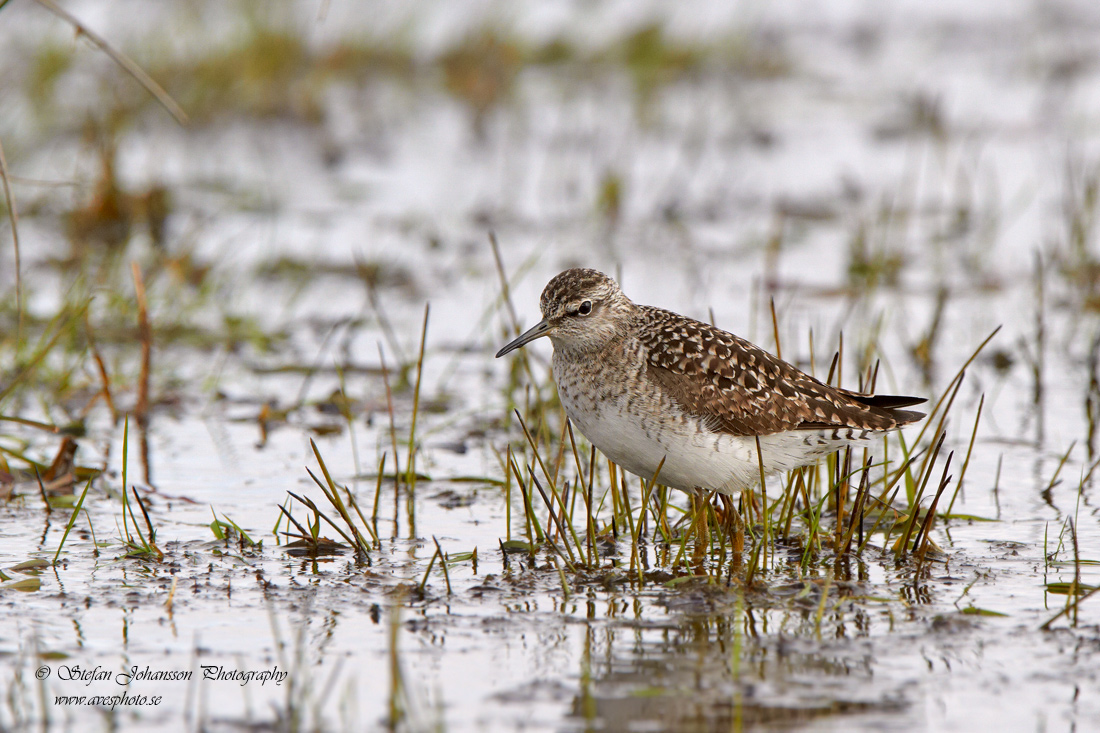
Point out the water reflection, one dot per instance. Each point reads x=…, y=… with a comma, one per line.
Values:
x=723, y=668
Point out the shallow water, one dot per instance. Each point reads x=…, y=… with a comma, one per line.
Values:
x=940, y=134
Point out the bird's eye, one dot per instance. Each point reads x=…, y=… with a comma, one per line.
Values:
x=584, y=308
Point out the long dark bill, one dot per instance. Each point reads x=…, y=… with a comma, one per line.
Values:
x=539, y=330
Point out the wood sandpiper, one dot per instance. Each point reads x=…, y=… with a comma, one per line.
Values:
x=644, y=385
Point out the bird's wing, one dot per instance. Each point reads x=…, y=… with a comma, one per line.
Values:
x=741, y=389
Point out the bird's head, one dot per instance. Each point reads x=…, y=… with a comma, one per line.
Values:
x=582, y=311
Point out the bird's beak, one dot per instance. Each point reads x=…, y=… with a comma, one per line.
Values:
x=540, y=329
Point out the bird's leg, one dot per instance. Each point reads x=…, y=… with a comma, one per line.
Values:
x=734, y=526
x=699, y=527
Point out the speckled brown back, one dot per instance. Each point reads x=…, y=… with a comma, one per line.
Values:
x=740, y=389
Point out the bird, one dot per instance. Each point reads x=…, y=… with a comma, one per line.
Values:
x=652, y=389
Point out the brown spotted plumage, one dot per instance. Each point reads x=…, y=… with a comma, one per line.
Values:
x=747, y=391
x=645, y=384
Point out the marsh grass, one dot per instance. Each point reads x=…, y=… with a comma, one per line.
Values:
x=138, y=543
x=72, y=520
x=226, y=529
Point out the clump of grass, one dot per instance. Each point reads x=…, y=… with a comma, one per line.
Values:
x=873, y=258
x=113, y=213
x=137, y=543
x=352, y=526
x=51, y=61
x=264, y=74
x=410, y=463
x=57, y=331
x=609, y=197
x=655, y=61
x=271, y=71
x=481, y=71
x=1075, y=259
x=226, y=529
x=72, y=520
x=1075, y=591
x=307, y=539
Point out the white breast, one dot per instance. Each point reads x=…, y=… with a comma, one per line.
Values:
x=694, y=456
